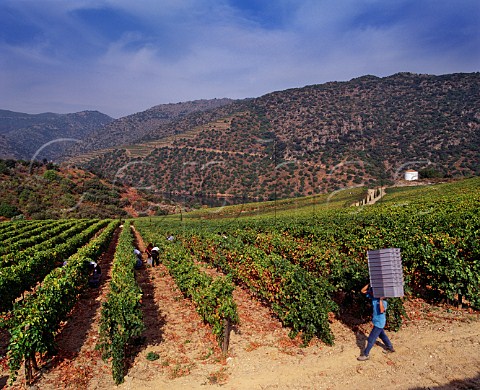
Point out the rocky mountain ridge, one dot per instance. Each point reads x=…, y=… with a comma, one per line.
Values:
x=310, y=140
x=59, y=136
x=38, y=136
x=299, y=141
x=136, y=127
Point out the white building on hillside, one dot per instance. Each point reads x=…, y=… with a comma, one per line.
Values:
x=410, y=174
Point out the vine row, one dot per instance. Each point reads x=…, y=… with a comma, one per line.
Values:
x=121, y=317
x=212, y=296
x=16, y=279
x=35, y=321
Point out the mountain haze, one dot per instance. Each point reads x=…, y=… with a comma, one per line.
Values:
x=22, y=135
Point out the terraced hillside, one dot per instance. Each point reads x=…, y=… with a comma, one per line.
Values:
x=312, y=140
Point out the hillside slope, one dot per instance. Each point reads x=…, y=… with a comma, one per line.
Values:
x=310, y=140
x=46, y=191
x=135, y=127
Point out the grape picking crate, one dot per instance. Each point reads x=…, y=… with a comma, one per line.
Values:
x=386, y=272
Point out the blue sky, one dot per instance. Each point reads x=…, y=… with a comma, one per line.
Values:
x=124, y=56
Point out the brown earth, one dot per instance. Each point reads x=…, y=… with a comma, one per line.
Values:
x=437, y=348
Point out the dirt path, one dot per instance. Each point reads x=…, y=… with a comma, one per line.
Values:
x=439, y=348
x=258, y=325
x=174, y=331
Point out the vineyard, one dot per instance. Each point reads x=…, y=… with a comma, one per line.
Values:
x=300, y=265
x=305, y=268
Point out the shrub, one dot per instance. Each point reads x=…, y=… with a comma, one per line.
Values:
x=8, y=210
x=51, y=175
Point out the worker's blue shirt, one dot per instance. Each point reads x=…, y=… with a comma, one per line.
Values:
x=379, y=319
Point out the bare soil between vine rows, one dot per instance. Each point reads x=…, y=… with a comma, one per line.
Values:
x=437, y=348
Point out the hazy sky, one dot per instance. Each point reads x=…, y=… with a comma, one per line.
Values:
x=124, y=56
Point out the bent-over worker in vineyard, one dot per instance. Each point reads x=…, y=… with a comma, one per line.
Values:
x=155, y=256
x=95, y=274
x=138, y=258
x=148, y=251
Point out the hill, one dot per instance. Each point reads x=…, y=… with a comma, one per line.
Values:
x=46, y=191
x=307, y=141
x=135, y=127
x=30, y=136
x=59, y=136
